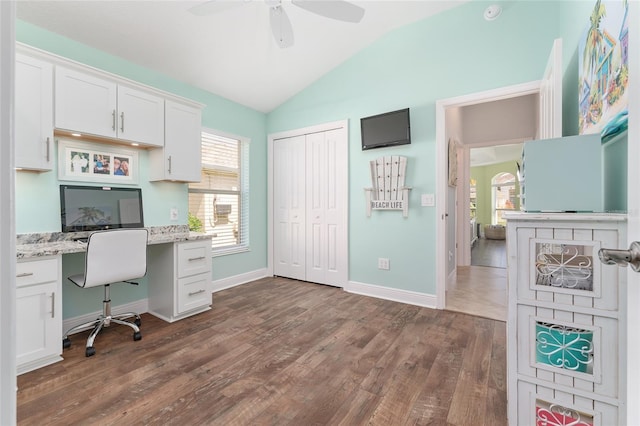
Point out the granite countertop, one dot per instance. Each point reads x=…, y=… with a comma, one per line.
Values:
x=55, y=243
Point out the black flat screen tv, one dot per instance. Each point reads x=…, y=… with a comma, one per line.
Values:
x=388, y=129
x=93, y=208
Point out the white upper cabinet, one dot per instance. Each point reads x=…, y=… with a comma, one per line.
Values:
x=140, y=116
x=34, y=113
x=181, y=157
x=89, y=104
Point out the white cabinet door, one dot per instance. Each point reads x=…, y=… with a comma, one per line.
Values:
x=84, y=103
x=38, y=314
x=140, y=117
x=181, y=157
x=34, y=113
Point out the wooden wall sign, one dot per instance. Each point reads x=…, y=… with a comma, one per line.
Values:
x=388, y=191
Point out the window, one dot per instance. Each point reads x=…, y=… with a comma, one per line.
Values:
x=503, y=196
x=219, y=203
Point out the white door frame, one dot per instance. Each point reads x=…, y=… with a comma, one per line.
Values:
x=8, y=382
x=441, y=168
x=342, y=124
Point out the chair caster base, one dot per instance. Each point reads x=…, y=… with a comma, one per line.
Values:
x=137, y=336
x=66, y=343
x=90, y=351
x=138, y=322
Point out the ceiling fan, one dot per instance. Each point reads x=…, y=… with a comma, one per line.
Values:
x=281, y=28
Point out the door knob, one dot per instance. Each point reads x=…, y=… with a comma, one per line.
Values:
x=629, y=257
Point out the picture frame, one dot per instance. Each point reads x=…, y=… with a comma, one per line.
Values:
x=93, y=162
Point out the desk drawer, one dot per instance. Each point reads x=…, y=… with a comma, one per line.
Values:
x=194, y=258
x=36, y=271
x=194, y=292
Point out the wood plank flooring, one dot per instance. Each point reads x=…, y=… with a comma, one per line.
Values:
x=487, y=252
x=281, y=352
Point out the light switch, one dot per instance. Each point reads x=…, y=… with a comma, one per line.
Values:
x=428, y=200
x=173, y=214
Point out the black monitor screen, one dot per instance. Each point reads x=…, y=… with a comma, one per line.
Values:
x=389, y=129
x=91, y=208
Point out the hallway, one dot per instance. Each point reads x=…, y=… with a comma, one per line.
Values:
x=481, y=289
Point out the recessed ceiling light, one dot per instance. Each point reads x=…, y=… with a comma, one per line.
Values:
x=492, y=12
x=134, y=144
x=76, y=134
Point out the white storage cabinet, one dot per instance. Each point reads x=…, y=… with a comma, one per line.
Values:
x=38, y=313
x=88, y=103
x=181, y=157
x=564, y=336
x=179, y=279
x=34, y=113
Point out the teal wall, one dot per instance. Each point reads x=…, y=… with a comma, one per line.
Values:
x=455, y=53
x=483, y=176
x=37, y=197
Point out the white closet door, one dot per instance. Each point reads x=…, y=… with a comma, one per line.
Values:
x=289, y=207
x=326, y=189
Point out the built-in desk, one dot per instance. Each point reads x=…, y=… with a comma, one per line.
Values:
x=178, y=273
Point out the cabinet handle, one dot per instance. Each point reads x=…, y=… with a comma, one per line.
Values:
x=24, y=274
x=122, y=122
x=169, y=164
x=193, y=293
x=113, y=120
x=48, y=150
x=53, y=305
x=196, y=258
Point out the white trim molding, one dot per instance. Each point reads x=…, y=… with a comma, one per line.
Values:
x=393, y=294
x=236, y=280
x=8, y=382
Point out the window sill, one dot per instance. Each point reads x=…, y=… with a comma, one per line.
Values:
x=229, y=250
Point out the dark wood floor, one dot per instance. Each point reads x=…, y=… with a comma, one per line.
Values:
x=487, y=252
x=281, y=352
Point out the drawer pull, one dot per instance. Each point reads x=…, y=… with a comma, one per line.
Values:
x=191, y=259
x=193, y=293
x=24, y=274
x=53, y=305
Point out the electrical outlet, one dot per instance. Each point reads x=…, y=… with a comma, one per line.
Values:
x=173, y=214
x=383, y=263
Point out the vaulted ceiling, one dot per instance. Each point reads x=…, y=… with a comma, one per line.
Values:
x=230, y=52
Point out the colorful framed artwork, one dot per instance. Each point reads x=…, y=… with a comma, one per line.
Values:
x=91, y=162
x=603, y=68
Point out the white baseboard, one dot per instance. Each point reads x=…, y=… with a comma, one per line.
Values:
x=396, y=295
x=139, y=306
x=236, y=280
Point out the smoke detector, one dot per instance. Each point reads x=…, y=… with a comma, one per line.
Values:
x=492, y=12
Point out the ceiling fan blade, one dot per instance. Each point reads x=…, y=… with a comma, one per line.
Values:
x=211, y=7
x=335, y=9
x=281, y=27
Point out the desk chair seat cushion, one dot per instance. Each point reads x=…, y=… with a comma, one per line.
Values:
x=114, y=256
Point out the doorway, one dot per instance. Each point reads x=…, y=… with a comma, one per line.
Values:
x=488, y=130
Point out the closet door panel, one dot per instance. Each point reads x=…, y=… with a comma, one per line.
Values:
x=326, y=207
x=316, y=165
x=289, y=207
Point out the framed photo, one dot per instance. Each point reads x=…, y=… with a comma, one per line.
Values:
x=92, y=162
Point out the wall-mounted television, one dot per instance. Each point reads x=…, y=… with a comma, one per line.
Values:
x=388, y=129
x=93, y=208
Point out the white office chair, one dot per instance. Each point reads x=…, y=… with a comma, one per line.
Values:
x=112, y=256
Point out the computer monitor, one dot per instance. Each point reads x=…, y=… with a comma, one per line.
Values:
x=92, y=208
